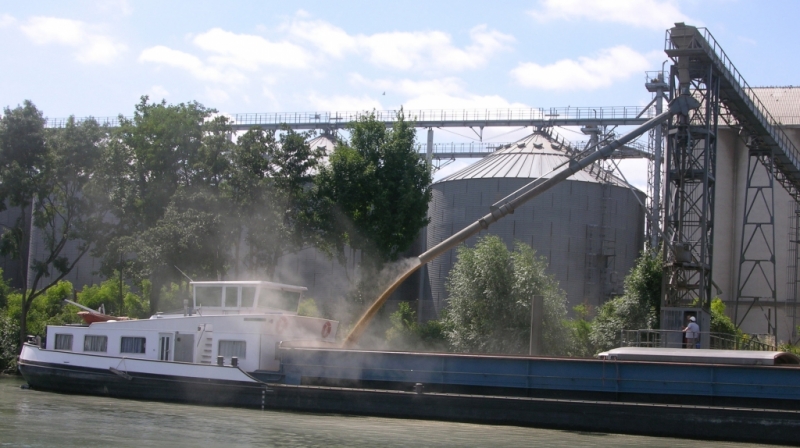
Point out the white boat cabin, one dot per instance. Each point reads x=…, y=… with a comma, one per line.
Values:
x=242, y=319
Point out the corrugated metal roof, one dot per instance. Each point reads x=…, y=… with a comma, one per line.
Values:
x=783, y=103
x=532, y=157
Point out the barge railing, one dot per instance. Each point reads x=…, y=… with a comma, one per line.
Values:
x=719, y=341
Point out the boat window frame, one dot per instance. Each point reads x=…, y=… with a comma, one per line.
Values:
x=95, y=337
x=235, y=341
x=144, y=344
x=237, y=296
x=197, y=304
x=71, y=338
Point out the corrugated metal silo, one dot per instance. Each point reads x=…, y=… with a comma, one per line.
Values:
x=589, y=227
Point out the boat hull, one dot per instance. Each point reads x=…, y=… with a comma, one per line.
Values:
x=141, y=379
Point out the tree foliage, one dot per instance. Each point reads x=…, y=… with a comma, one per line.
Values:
x=47, y=170
x=405, y=333
x=637, y=308
x=490, y=298
x=376, y=189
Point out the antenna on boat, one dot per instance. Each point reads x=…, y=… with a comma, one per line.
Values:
x=184, y=274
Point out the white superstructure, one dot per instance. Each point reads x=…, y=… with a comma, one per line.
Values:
x=241, y=319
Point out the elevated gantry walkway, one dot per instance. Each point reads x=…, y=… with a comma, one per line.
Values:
x=739, y=100
x=537, y=117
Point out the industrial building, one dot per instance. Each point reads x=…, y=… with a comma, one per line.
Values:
x=590, y=228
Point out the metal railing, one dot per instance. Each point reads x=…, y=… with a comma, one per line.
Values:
x=340, y=118
x=717, y=341
x=747, y=95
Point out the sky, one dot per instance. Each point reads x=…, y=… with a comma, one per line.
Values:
x=98, y=57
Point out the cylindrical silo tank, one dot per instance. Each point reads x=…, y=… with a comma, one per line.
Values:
x=590, y=227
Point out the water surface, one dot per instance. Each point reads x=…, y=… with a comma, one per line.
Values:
x=30, y=418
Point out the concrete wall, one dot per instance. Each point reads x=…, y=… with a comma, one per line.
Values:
x=732, y=172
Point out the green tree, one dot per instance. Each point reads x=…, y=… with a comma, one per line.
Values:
x=375, y=191
x=160, y=177
x=269, y=189
x=637, y=308
x=581, y=332
x=65, y=219
x=720, y=322
x=405, y=333
x=490, y=297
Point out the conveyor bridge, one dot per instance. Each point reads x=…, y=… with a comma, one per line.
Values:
x=741, y=105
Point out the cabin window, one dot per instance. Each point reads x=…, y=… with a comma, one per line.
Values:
x=95, y=343
x=132, y=345
x=208, y=295
x=276, y=299
x=248, y=296
x=229, y=349
x=230, y=296
x=64, y=342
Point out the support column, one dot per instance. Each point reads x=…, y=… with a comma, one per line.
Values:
x=757, y=253
x=690, y=183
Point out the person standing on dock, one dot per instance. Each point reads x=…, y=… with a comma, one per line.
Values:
x=692, y=333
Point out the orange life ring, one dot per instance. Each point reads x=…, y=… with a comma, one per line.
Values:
x=280, y=327
x=326, y=329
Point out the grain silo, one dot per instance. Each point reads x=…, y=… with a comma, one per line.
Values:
x=589, y=227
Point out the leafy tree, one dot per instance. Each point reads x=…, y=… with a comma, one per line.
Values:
x=24, y=167
x=375, y=191
x=620, y=313
x=308, y=307
x=720, y=322
x=490, y=297
x=581, y=332
x=637, y=308
x=65, y=219
x=159, y=177
x=406, y=333
x=116, y=297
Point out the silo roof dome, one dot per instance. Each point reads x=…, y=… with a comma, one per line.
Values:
x=532, y=157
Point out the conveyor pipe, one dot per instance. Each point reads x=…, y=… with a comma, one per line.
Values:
x=507, y=206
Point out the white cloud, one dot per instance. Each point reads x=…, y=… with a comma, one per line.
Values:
x=216, y=95
x=416, y=50
x=178, y=59
x=92, y=46
x=157, y=92
x=122, y=7
x=343, y=103
x=585, y=73
x=6, y=20
x=445, y=93
x=330, y=39
x=655, y=14
x=248, y=51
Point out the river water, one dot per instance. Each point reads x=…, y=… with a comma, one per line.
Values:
x=31, y=418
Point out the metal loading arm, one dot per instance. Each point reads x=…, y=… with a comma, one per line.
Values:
x=506, y=206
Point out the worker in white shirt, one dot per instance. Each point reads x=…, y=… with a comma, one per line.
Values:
x=692, y=333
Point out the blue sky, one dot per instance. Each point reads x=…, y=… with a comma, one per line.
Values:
x=97, y=57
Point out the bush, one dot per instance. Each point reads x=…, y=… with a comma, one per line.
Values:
x=108, y=294
x=490, y=298
x=720, y=322
x=9, y=344
x=308, y=307
x=581, y=332
x=406, y=334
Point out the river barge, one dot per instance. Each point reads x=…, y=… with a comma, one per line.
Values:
x=228, y=350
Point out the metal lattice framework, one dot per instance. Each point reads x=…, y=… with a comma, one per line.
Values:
x=757, y=281
x=689, y=202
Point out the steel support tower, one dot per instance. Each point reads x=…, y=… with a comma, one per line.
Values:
x=690, y=178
